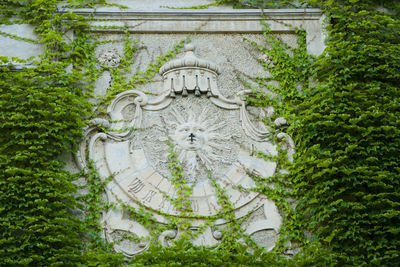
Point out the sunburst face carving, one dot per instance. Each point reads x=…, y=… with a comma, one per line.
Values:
x=196, y=139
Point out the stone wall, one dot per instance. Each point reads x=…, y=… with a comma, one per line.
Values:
x=194, y=106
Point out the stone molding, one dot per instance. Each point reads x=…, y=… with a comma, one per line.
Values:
x=209, y=21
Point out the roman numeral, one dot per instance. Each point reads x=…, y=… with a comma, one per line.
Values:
x=149, y=196
x=136, y=186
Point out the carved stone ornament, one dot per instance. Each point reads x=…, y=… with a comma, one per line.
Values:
x=110, y=58
x=210, y=134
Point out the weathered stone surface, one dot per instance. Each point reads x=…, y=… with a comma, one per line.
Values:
x=162, y=4
x=19, y=48
x=194, y=107
x=210, y=135
x=224, y=20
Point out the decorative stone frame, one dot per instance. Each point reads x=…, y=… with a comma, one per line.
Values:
x=109, y=20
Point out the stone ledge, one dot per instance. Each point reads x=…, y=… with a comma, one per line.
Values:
x=302, y=13
x=240, y=20
x=209, y=21
x=237, y=18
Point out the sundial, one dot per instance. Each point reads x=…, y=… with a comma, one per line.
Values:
x=212, y=137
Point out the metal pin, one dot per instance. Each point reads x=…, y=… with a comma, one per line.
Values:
x=191, y=137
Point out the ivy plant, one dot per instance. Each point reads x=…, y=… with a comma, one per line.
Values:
x=340, y=200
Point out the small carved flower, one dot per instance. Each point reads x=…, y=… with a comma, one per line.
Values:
x=110, y=58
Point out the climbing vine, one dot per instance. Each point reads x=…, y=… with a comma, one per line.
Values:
x=348, y=136
x=339, y=198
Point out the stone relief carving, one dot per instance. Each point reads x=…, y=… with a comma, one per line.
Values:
x=197, y=141
x=210, y=134
x=110, y=58
x=122, y=228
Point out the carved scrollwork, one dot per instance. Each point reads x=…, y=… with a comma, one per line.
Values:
x=267, y=227
x=88, y=134
x=281, y=121
x=217, y=234
x=288, y=144
x=166, y=236
x=127, y=237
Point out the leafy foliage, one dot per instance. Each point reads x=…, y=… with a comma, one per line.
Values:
x=43, y=110
x=348, y=138
x=346, y=129
x=345, y=174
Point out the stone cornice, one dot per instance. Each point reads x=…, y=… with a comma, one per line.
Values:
x=111, y=19
x=156, y=21
x=235, y=14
